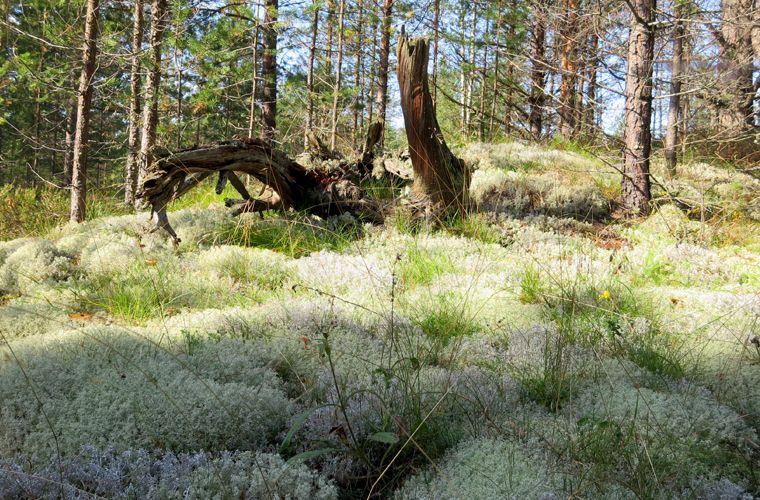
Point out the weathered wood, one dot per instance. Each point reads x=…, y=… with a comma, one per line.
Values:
x=397, y=166
x=441, y=180
x=290, y=184
x=318, y=149
x=238, y=185
x=374, y=134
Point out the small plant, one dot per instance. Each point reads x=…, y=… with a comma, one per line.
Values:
x=531, y=287
x=443, y=321
x=609, y=187
x=381, y=189
x=474, y=226
x=655, y=270
x=419, y=267
x=552, y=383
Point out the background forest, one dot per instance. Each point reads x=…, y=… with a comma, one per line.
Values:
x=518, y=259
x=199, y=72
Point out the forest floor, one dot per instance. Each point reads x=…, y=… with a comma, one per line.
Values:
x=541, y=348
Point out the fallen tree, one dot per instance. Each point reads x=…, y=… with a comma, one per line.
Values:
x=287, y=183
x=440, y=179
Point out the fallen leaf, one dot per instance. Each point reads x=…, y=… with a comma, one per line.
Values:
x=80, y=316
x=171, y=311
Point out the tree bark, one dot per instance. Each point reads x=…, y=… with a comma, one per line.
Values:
x=462, y=70
x=158, y=18
x=482, y=98
x=676, y=74
x=590, y=112
x=254, y=74
x=568, y=62
x=338, y=78
x=68, y=154
x=84, y=101
x=373, y=65
x=496, y=63
x=382, y=76
x=436, y=36
x=538, y=72
x=132, y=168
x=637, y=136
x=735, y=69
x=358, y=73
x=310, y=74
x=269, y=73
x=441, y=180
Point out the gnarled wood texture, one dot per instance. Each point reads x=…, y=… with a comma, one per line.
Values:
x=441, y=180
x=290, y=185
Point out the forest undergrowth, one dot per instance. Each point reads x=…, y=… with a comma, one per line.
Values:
x=539, y=348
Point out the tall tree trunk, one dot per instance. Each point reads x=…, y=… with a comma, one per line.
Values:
x=568, y=65
x=269, y=73
x=158, y=18
x=330, y=21
x=358, y=72
x=637, y=135
x=496, y=62
x=472, y=69
x=130, y=183
x=735, y=68
x=68, y=154
x=178, y=109
x=37, y=151
x=254, y=74
x=463, y=69
x=382, y=75
x=440, y=178
x=590, y=112
x=79, y=164
x=482, y=98
x=338, y=78
x=310, y=75
x=436, y=36
x=509, y=101
x=676, y=74
x=538, y=71
x=373, y=65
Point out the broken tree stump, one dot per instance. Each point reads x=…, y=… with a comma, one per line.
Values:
x=289, y=184
x=441, y=180
x=374, y=134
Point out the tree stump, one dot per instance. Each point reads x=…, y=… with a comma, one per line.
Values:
x=441, y=180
